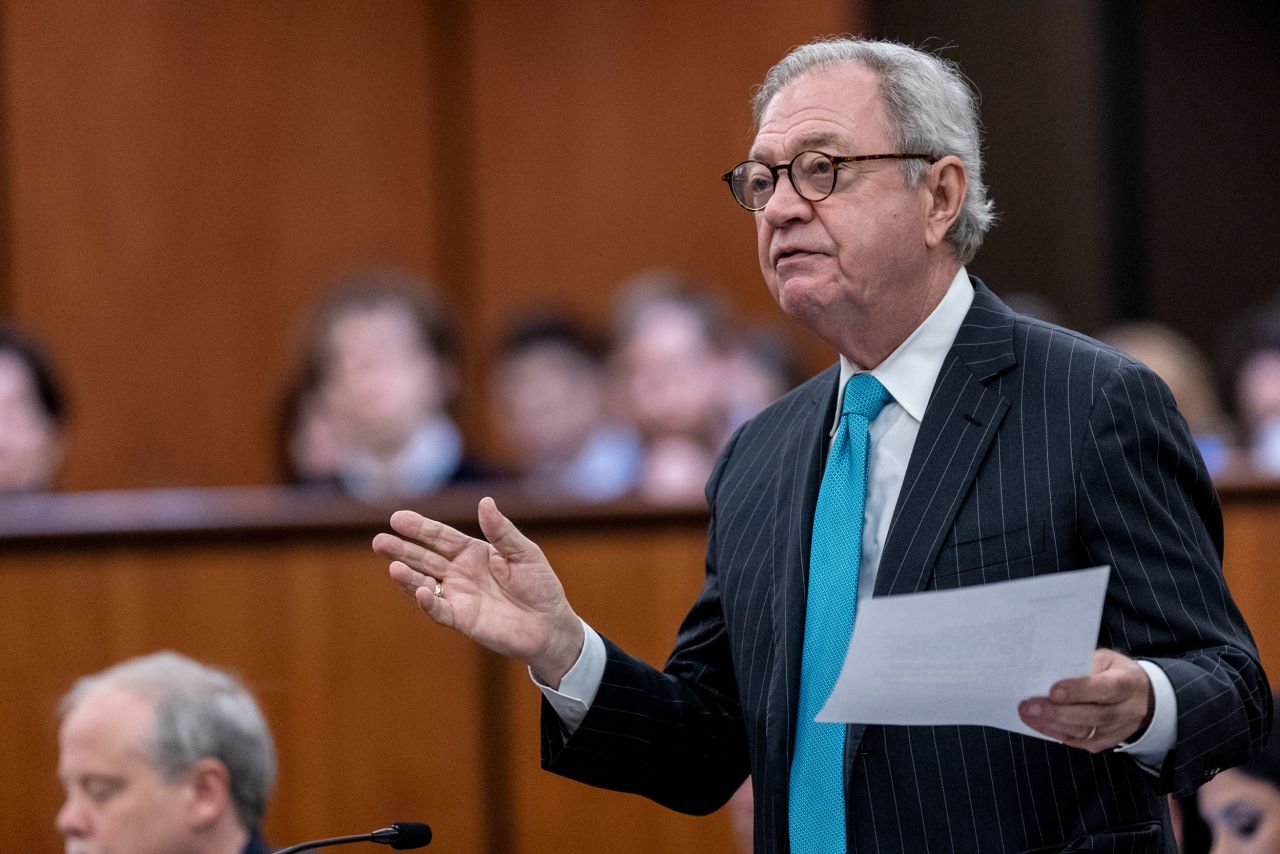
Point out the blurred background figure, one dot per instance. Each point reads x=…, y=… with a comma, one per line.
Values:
x=670, y=353
x=1242, y=805
x=372, y=403
x=761, y=367
x=550, y=406
x=1034, y=305
x=1254, y=369
x=1187, y=373
x=309, y=437
x=162, y=754
x=32, y=415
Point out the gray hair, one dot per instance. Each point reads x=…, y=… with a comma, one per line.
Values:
x=200, y=712
x=931, y=108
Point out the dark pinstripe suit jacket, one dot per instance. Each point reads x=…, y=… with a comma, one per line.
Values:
x=1040, y=451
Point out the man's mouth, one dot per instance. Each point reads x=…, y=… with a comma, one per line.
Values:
x=793, y=254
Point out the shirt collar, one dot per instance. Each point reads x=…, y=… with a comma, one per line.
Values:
x=910, y=371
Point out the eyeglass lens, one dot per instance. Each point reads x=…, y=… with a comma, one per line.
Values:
x=812, y=175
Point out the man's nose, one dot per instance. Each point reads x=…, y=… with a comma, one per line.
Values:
x=72, y=820
x=786, y=205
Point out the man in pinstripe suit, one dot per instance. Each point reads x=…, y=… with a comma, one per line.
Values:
x=1008, y=448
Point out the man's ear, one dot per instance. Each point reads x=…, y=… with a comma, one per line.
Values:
x=946, y=184
x=209, y=785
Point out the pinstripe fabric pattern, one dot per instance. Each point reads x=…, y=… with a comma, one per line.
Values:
x=1040, y=451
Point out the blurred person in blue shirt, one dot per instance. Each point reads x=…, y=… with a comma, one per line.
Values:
x=761, y=368
x=671, y=360
x=1254, y=368
x=1187, y=373
x=383, y=354
x=550, y=405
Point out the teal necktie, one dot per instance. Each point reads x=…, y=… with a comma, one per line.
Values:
x=817, y=809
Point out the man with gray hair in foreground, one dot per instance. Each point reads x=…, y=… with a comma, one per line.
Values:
x=163, y=755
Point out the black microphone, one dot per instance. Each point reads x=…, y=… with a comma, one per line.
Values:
x=401, y=836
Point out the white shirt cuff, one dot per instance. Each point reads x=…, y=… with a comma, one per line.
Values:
x=1151, y=749
x=578, y=687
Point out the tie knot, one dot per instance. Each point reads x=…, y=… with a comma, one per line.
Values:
x=865, y=396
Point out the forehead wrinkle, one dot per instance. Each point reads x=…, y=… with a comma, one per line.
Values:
x=812, y=141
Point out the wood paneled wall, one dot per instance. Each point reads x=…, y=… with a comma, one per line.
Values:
x=181, y=180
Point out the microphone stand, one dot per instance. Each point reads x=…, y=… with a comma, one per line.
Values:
x=400, y=836
x=322, y=843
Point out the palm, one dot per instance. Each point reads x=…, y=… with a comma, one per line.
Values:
x=501, y=593
x=491, y=594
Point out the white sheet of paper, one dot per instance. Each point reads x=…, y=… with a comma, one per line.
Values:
x=968, y=656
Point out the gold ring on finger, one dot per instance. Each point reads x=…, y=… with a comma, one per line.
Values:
x=439, y=591
x=1093, y=730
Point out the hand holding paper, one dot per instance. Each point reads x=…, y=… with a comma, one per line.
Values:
x=1096, y=712
x=969, y=656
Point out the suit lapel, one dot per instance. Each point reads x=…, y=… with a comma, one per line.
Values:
x=959, y=425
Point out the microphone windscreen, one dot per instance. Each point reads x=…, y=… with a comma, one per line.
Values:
x=412, y=834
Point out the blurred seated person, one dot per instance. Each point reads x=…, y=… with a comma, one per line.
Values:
x=161, y=754
x=761, y=367
x=1254, y=365
x=1241, y=805
x=383, y=356
x=310, y=444
x=670, y=358
x=1188, y=375
x=32, y=415
x=549, y=405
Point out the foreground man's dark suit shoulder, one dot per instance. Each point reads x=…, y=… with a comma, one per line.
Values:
x=1041, y=451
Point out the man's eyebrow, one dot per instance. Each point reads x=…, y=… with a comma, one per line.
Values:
x=812, y=142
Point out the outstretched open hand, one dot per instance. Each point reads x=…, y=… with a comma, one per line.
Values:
x=501, y=593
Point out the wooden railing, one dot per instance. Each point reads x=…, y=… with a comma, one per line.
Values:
x=1251, y=511
x=378, y=714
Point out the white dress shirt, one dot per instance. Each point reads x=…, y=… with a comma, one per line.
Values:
x=908, y=374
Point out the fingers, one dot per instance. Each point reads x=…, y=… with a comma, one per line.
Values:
x=1115, y=678
x=1093, y=739
x=504, y=536
x=412, y=554
x=438, y=539
x=1094, y=712
x=436, y=607
x=409, y=579
x=436, y=536
x=423, y=589
x=1093, y=728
